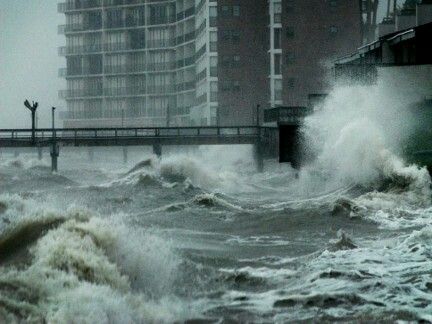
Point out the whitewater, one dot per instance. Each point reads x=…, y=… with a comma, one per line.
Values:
x=199, y=236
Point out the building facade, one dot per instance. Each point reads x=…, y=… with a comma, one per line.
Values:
x=305, y=38
x=197, y=62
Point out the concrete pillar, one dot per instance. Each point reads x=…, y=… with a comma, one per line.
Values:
x=91, y=153
x=40, y=153
x=125, y=154
x=259, y=156
x=55, y=152
x=157, y=149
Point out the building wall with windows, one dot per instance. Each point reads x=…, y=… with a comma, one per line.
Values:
x=197, y=62
x=243, y=60
x=306, y=37
x=129, y=62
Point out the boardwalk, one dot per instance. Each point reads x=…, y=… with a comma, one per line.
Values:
x=152, y=136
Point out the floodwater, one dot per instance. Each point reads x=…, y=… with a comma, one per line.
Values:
x=200, y=237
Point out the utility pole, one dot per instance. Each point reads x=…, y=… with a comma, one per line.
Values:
x=55, y=150
x=168, y=116
x=53, y=118
x=32, y=108
x=122, y=122
x=258, y=115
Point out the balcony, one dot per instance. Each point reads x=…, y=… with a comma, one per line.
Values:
x=185, y=86
x=78, y=5
x=64, y=72
x=87, y=49
x=185, y=38
x=80, y=93
x=73, y=28
x=185, y=62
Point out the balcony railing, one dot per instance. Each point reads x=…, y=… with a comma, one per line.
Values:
x=185, y=86
x=64, y=72
x=98, y=48
x=185, y=38
x=79, y=93
x=185, y=62
x=71, y=28
x=78, y=5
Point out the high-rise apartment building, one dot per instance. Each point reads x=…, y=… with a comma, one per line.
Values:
x=197, y=62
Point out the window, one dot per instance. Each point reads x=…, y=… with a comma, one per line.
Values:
x=277, y=12
x=277, y=38
x=226, y=86
x=213, y=91
x=290, y=83
x=235, y=37
x=290, y=58
x=231, y=86
x=213, y=66
x=213, y=41
x=278, y=89
x=236, y=11
x=290, y=32
x=226, y=61
x=213, y=16
x=229, y=61
x=236, y=86
x=230, y=35
x=289, y=6
x=226, y=12
x=334, y=30
x=278, y=64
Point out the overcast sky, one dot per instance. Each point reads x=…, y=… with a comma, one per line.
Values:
x=29, y=60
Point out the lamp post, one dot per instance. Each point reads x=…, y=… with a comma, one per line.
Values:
x=53, y=117
x=168, y=117
x=55, y=150
x=32, y=108
x=258, y=115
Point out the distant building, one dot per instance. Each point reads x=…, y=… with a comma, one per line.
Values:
x=198, y=62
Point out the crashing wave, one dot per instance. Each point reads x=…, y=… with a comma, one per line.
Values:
x=79, y=267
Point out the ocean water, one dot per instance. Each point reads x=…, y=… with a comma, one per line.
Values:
x=200, y=237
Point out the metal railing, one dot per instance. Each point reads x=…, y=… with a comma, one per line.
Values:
x=113, y=133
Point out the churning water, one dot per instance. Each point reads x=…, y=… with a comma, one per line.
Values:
x=200, y=237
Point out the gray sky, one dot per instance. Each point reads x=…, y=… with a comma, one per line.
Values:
x=29, y=60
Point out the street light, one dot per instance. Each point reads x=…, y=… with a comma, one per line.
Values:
x=32, y=108
x=53, y=117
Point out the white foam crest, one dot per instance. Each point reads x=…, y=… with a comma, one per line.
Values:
x=92, y=270
x=23, y=162
x=270, y=274
x=358, y=138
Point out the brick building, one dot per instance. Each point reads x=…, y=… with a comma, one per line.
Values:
x=306, y=37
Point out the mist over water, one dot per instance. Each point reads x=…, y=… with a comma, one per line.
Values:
x=200, y=235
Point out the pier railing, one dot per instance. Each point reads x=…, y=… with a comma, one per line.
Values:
x=113, y=133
